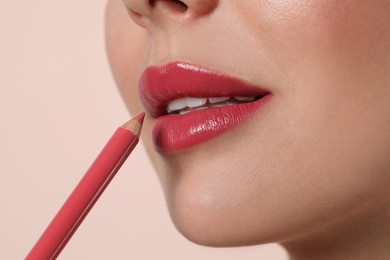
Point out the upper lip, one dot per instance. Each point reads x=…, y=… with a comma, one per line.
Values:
x=160, y=85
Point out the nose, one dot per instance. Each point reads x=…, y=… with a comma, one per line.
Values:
x=155, y=11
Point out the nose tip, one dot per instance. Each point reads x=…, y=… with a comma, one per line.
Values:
x=155, y=10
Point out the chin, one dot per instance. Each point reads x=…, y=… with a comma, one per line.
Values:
x=218, y=214
x=210, y=224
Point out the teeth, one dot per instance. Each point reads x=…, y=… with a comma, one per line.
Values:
x=195, y=102
x=181, y=103
x=201, y=108
x=198, y=103
x=223, y=105
x=177, y=104
x=183, y=112
x=245, y=98
x=218, y=99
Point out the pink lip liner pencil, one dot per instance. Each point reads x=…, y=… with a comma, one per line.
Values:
x=88, y=191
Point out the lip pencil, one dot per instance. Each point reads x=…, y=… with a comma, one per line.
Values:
x=88, y=191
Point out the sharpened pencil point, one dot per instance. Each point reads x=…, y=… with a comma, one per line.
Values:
x=135, y=124
x=140, y=118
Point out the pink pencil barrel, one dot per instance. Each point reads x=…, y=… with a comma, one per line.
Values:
x=87, y=192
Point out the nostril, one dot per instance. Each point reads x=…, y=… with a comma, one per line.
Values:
x=181, y=5
x=173, y=5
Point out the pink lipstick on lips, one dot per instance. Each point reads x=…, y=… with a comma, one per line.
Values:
x=193, y=104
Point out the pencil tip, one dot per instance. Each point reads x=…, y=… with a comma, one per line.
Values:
x=140, y=118
x=135, y=124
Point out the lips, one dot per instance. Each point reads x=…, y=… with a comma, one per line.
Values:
x=216, y=103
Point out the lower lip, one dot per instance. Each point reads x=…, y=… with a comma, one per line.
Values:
x=175, y=132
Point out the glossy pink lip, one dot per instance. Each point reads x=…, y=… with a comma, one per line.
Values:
x=172, y=132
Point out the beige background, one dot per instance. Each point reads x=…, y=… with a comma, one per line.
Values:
x=58, y=106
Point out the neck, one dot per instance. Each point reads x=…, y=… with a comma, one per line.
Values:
x=366, y=236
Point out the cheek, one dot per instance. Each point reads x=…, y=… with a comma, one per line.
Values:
x=295, y=30
x=336, y=55
x=127, y=48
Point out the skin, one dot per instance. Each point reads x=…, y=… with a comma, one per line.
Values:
x=311, y=170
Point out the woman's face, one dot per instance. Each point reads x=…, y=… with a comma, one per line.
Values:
x=315, y=155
